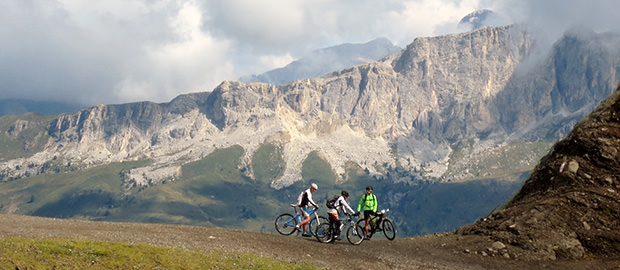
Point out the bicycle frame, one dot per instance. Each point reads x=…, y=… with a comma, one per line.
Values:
x=326, y=233
x=285, y=223
x=298, y=216
x=380, y=223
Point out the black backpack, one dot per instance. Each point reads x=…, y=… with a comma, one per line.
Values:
x=330, y=203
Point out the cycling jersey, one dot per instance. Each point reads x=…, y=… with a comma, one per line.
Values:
x=342, y=205
x=368, y=202
x=305, y=199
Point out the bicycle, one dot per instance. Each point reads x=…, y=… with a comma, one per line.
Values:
x=378, y=223
x=285, y=223
x=326, y=233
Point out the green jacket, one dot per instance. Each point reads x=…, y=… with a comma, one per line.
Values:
x=369, y=201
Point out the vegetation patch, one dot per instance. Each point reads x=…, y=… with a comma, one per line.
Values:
x=20, y=253
x=268, y=163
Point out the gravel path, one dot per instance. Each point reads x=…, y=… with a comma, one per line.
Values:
x=446, y=251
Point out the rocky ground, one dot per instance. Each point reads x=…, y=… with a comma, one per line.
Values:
x=445, y=251
x=570, y=206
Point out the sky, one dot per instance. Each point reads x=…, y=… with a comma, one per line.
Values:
x=120, y=51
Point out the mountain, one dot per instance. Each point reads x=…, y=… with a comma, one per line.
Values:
x=445, y=130
x=323, y=61
x=569, y=206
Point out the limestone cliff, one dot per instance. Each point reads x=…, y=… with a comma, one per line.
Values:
x=410, y=111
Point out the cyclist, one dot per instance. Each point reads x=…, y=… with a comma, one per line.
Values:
x=368, y=203
x=339, y=206
x=304, y=201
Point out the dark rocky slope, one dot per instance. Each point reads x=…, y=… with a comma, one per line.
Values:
x=570, y=206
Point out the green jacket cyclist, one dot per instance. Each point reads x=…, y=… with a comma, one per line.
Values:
x=368, y=203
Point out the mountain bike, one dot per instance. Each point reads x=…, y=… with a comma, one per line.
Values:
x=378, y=223
x=326, y=232
x=285, y=223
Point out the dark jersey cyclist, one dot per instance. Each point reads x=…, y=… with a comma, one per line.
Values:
x=368, y=203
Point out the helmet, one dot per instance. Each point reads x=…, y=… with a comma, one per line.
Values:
x=369, y=188
x=314, y=186
x=344, y=193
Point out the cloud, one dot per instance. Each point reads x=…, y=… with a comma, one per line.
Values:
x=549, y=20
x=118, y=51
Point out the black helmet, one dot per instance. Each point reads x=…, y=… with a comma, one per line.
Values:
x=369, y=188
x=344, y=193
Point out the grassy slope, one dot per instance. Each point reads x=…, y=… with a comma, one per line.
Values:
x=19, y=253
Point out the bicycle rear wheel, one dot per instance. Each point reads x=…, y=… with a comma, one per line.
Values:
x=324, y=233
x=285, y=224
x=388, y=229
x=355, y=234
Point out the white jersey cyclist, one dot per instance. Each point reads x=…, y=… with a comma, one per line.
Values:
x=304, y=201
x=305, y=198
x=341, y=206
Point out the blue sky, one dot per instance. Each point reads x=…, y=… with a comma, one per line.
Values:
x=119, y=51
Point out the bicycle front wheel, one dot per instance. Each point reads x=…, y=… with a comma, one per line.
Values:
x=355, y=234
x=324, y=233
x=285, y=224
x=388, y=229
x=314, y=224
x=360, y=226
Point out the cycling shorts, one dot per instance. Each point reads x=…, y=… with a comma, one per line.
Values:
x=333, y=214
x=305, y=211
x=368, y=214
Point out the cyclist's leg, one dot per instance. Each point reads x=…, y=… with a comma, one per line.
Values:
x=367, y=217
x=302, y=224
x=334, y=223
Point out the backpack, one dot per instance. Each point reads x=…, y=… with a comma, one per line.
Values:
x=330, y=203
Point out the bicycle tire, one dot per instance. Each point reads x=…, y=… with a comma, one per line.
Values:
x=323, y=233
x=313, y=226
x=285, y=224
x=388, y=229
x=355, y=234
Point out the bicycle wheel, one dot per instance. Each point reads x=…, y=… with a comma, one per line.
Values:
x=323, y=233
x=285, y=224
x=388, y=229
x=314, y=224
x=355, y=234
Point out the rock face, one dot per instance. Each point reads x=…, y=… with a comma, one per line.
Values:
x=413, y=110
x=569, y=207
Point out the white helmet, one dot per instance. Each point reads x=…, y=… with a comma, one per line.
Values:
x=314, y=186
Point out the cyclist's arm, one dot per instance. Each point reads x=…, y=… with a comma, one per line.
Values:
x=374, y=207
x=345, y=206
x=359, y=205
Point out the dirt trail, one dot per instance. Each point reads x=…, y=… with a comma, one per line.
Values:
x=447, y=251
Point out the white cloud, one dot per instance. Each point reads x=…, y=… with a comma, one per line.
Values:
x=193, y=61
x=118, y=51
